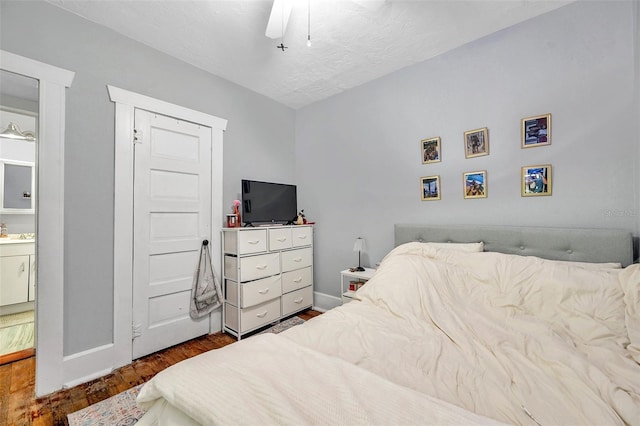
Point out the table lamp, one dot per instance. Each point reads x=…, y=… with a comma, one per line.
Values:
x=359, y=246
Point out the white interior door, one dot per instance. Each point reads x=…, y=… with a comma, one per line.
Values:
x=172, y=215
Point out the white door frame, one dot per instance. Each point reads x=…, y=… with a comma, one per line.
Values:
x=126, y=103
x=53, y=82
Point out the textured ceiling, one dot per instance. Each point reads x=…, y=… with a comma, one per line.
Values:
x=353, y=41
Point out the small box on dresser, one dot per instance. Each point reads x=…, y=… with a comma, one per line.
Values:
x=267, y=275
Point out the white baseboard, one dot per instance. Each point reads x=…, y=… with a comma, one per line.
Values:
x=323, y=302
x=85, y=379
x=84, y=366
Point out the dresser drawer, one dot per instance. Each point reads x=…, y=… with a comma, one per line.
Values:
x=264, y=265
x=254, y=241
x=279, y=238
x=252, y=267
x=252, y=292
x=252, y=317
x=294, y=280
x=259, y=291
x=245, y=241
x=297, y=300
x=302, y=236
x=296, y=259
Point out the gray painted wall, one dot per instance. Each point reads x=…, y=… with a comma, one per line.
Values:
x=258, y=144
x=358, y=154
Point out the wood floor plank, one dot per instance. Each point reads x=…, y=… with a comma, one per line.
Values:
x=79, y=399
x=60, y=404
x=44, y=420
x=22, y=374
x=129, y=376
x=19, y=407
x=5, y=386
x=41, y=411
x=97, y=392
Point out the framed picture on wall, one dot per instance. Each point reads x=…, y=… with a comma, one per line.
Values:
x=536, y=180
x=430, y=188
x=476, y=143
x=536, y=131
x=430, y=149
x=475, y=184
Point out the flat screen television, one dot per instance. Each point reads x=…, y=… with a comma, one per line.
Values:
x=268, y=202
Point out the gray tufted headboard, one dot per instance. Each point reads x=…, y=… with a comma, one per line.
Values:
x=580, y=245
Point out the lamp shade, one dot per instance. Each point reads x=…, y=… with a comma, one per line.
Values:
x=359, y=245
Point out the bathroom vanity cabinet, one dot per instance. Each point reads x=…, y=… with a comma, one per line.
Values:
x=17, y=271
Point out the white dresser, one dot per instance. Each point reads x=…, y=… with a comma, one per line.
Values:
x=267, y=275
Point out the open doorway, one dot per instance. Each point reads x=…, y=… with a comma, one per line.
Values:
x=19, y=109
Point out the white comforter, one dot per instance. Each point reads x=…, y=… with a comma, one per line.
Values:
x=522, y=340
x=268, y=380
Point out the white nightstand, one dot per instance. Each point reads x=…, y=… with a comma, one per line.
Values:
x=347, y=276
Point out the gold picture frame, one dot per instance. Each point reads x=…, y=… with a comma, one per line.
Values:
x=430, y=188
x=536, y=131
x=536, y=180
x=476, y=142
x=474, y=184
x=431, y=150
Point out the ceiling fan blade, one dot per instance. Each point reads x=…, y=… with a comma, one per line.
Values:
x=278, y=18
x=370, y=4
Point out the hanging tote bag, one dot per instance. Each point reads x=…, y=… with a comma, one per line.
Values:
x=206, y=294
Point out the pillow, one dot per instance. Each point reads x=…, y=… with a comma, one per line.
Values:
x=589, y=265
x=463, y=247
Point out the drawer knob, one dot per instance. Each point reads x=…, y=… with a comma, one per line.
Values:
x=261, y=267
x=254, y=242
x=297, y=280
x=281, y=239
x=297, y=259
x=262, y=315
x=302, y=237
x=264, y=291
x=298, y=301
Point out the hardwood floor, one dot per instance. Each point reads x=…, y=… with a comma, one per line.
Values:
x=18, y=405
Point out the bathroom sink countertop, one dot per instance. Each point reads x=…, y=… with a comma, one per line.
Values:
x=18, y=239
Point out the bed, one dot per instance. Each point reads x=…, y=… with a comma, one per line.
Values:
x=459, y=325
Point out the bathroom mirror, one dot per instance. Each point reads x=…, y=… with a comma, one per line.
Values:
x=17, y=187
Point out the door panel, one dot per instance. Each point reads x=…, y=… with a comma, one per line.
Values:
x=173, y=186
x=172, y=215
